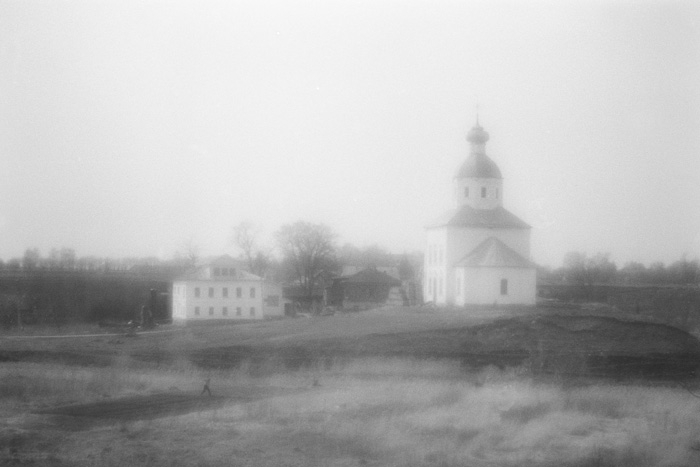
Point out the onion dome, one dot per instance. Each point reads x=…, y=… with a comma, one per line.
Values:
x=477, y=135
x=478, y=165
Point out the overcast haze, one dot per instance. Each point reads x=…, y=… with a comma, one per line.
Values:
x=127, y=128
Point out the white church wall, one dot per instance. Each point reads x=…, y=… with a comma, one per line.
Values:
x=459, y=286
x=435, y=266
x=482, y=286
x=447, y=246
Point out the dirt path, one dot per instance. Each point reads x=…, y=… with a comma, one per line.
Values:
x=147, y=407
x=77, y=336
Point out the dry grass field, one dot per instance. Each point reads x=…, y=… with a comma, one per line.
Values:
x=381, y=412
x=366, y=410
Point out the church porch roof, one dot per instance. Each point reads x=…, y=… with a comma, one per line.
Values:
x=467, y=216
x=492, y=252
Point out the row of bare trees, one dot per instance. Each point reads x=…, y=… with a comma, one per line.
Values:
x=580, y=269
x=306, y=254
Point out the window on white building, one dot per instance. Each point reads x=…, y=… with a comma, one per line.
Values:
x=196, y=292
x=211, y=311
x=224, y=271
x=196, y=311
x=238, y=311
x=224, y=292
x=217, y=271
x=224, y=311
x=504, y=286
x=272, y=300
x=252, y=292
x=252, y=311
x=211, y=292
x=483, y=192
x=466, y=192
x=239, y=292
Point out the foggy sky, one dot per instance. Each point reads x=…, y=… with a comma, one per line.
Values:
x=130, y=128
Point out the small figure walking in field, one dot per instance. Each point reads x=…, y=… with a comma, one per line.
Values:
x=206, y=388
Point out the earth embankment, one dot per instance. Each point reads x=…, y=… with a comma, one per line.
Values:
x=598, y=346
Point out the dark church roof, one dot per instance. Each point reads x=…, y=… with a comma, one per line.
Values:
x=478, y=166
x=492, y=252
x=372, y=276
x=467, y=216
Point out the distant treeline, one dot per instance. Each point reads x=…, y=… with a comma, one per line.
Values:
x=677, y=305
x=66, y=259
x=58, y=297
x=586, y=271
x=669, y=294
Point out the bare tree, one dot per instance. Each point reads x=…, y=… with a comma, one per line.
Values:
x=31, y=258
x=67, y=258
x=246, y=238
x=309, y=251
x=406, y=272
x=580, y=269
x=685, y=272
x=373, y=255
x=188, y=254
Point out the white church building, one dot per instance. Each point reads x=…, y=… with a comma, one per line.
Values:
x=478, y=253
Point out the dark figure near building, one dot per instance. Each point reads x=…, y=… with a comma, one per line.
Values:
x=206, y=388
x=146, y=318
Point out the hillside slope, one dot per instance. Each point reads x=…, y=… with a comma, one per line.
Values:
x=543, y=343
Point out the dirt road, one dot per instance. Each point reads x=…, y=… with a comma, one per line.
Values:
x=86, y=416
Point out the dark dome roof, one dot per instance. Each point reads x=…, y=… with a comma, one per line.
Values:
x=479, y=166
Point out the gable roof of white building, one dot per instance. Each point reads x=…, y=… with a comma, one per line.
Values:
x=467, y=216
x=206, y=271
x=492, y=252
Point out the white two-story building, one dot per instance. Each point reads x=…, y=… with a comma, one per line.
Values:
x=218, y=290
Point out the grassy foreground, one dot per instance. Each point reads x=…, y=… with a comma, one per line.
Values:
x=383, y=412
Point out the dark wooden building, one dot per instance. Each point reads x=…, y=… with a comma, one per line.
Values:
x=365, y=288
